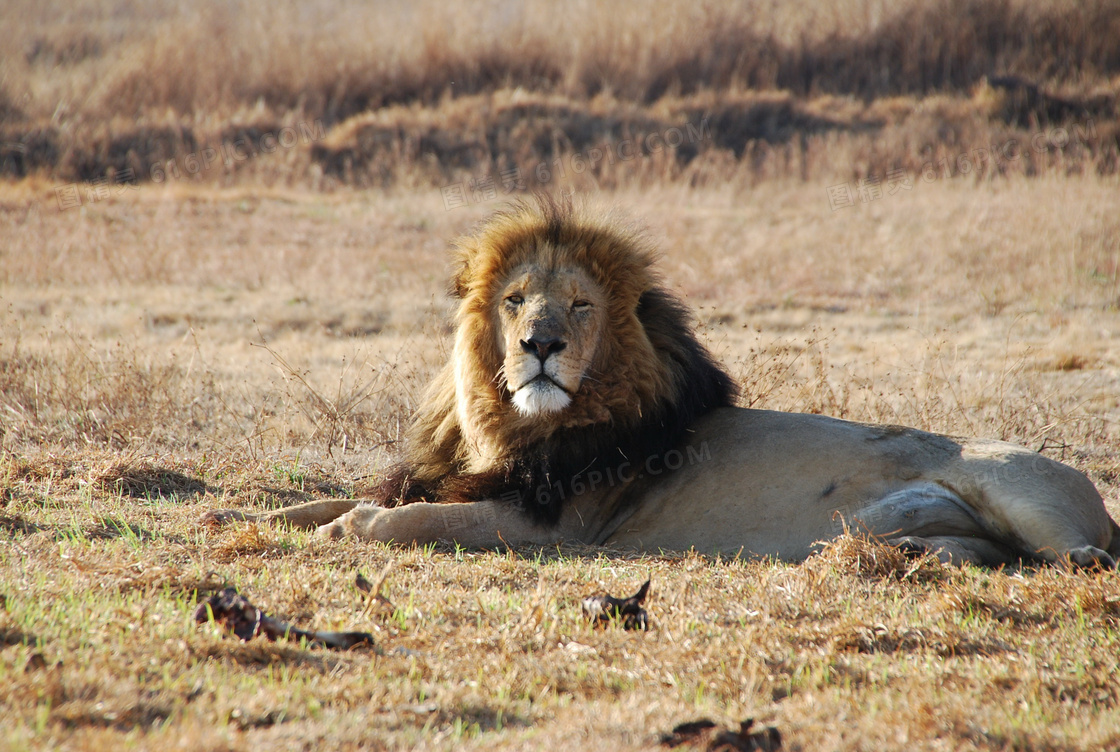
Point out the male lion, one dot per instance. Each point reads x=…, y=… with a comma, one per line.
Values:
x=580, y=406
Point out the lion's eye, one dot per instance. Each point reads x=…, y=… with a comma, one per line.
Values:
x=581, y=305
x=515, y=299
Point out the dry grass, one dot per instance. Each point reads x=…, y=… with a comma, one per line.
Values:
x=490, y=650
x=334, y=58
x=258, y=333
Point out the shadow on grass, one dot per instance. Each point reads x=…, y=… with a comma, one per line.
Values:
x=144, y=480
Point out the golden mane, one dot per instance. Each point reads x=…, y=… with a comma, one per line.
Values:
x=468, y=442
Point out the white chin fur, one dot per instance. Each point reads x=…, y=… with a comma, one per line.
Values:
x=540, y=397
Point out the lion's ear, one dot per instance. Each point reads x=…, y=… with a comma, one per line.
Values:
x=459, y=283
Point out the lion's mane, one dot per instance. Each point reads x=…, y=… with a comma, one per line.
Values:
x=469, y=443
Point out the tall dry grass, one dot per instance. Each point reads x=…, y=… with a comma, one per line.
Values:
x=332, y=58
x=87, y=88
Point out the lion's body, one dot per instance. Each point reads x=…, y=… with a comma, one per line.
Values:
x=579, y=406
x=777, y=484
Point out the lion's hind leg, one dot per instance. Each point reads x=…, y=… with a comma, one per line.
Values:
x=1091, y=557
x=926, y=517
x=965, y=550
x=313, y=514
x=1045, y=508
x=957, y=549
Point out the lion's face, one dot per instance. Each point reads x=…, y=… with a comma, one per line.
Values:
x=562, y=325
x=550, y=322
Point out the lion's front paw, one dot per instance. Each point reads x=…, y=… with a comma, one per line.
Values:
x=331, y=531
x=357, y=523
x=219, y=517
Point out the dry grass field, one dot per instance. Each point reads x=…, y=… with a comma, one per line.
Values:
x=257, y=333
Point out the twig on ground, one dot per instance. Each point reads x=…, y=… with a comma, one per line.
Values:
x=602, y=609
x=234, y=612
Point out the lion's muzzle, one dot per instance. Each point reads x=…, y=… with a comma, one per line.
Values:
x=541, y=395
x=540, y=377
x=543, y=347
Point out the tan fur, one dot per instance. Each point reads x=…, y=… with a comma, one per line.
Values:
x=739, y=482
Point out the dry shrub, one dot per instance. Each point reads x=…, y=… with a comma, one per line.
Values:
x=10, y=111
x=546, y=138
x=70, y=393
x=363, y=410
x=249, y=539
x=333, y=58
x=603, y=142
x=861, y=555
x=113, y=398
x=881, y=639
x=1047, y=595
x=115, y=151
x=51, y=468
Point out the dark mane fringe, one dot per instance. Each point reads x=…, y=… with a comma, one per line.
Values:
x=542, y=477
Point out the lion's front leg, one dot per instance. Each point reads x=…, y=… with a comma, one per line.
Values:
x=480, y=524
x=309, y=515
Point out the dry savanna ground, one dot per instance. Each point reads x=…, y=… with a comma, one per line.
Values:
x=901, y=213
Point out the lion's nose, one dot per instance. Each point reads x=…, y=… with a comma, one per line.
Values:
x=543, y=347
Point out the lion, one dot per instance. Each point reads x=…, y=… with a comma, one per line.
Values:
x=580, y=406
